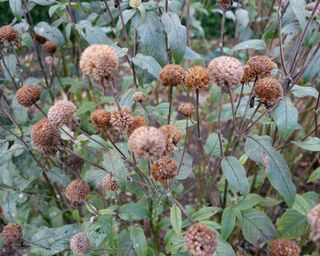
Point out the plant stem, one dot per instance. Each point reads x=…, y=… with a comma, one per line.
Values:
x=170, y=103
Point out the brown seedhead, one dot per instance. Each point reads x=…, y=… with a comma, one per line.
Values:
x=28, y=95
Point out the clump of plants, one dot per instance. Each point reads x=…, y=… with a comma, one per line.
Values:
x=127, y=129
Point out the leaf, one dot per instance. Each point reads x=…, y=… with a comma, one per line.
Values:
x=124, y=244
x=248, y=202
x=228, y=222
x=93, y=35
x=223, y=248
x=212, y=146
x=176, y=219
x=311, y=144
x=147, y=63
x=235, y=174
x=301, y=205
x=177, y=35
x=292, y=224
x=20, y=112
x=113, y=162
x=257, y=228
x=242, y=17
x=151, y=38
x=9, y=66
x=315, y=175
x=139, y=241
x=126, y=98
x=134, y=211
x=298, y=8
x=186, y=167
x=191, y=54
x=304, y=91
x=313, y=68
x=43, y=2
x=255, y=44
x=127, y=15
x=260, y=149
x=205, y=213
x=49, y=32
x=285, y=115
x=16, y=8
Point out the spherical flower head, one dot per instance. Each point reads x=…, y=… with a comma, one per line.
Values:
x=8, y=34
x=173, y=136
x=164, y=169
x=197, y=77
x=45, y=137
x=225, y=5
x=226, y=72
x=258, y=67
x=109, y=184
x=200, y=240
x=12, y=234
x=268, y=90
x=40, y=39
x=138, y=121
x=172, y=75
x=80, y=244
x=77, y=191
x=310, y=7
x=123, y=120
x=281, y=247
x=74, y=162
x=186, y=109
x=147, y=141
x=99, y=61
x=314, y=221
x=50, y=47
x=28, y=95
x=138, y=97
x=61, y=113
x=101, y=117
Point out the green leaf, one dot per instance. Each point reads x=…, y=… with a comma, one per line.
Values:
x=301, y=205
x=49, y=32
x=113, y=162
x=134, y=211
x=138, y=239
x=205, y=213
x=93, y=35
x=255, y=44
x=257, y=228
x=151, y=38
x=124, y=244
x=212, y=146
x=186, y=167
x=127, y=15
x=285, y=115
x=315, y=175
x=311, y=144
x=16, y=8
x=20, y=112
x=177, y=35
x=260, y=149
x=304, y=91
x=147, y=63
x=292, y=224
x=43, y=2
x=228, y=222
x=10, y=69
x=223, y=248
x=235, y=174
x=176, y=219
x=248, y=202
x=191, y=54
x=298, y=8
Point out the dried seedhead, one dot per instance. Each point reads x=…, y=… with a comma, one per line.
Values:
x=173, y=136
x=61, y=113
x=164, y=169
x=268, y=90
x=197, y=78
x=77, y=191
x=28, y=95
x=172, y=75
x=101, y=118
x=281, y=247
x=12, y=234
x=80, y=244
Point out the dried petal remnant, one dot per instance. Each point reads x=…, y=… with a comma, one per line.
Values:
x=80, y=244
x=77, y=191
x=138, y=121
x=12, y=234
x=99, y=61
x=200, y=240
x=281, y=247
x=224, y=4
x=314, y=221
x=172, y=75
x=197, y=77
x=148, y=142
x=258, y=67
x=61, y=113
x=268, y=90
x=50, y=47
x=28, y=95
x=164, y=169
x=226, y=72
x=101, y=117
